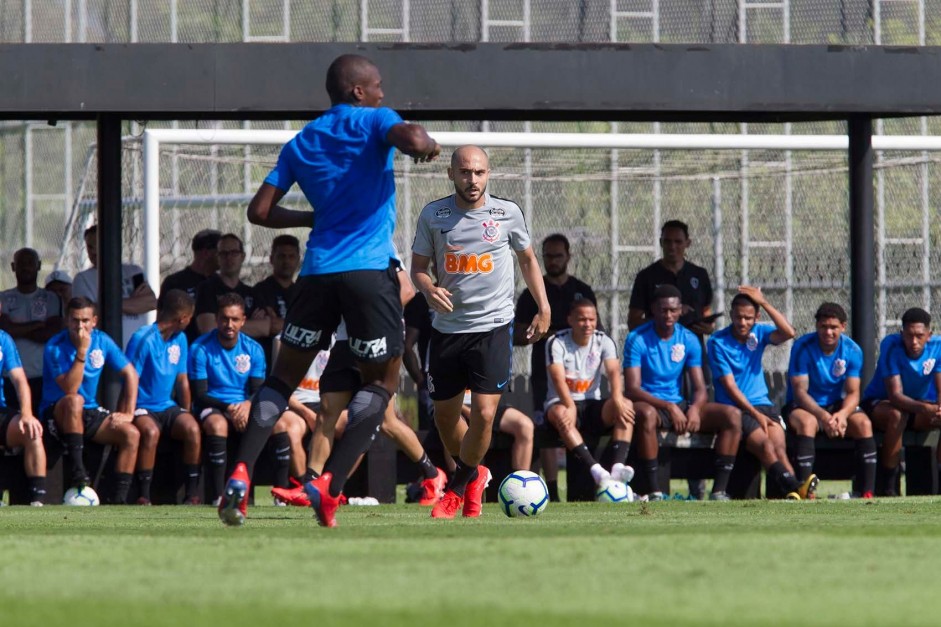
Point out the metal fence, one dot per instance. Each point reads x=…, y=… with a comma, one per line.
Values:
x=755, y=201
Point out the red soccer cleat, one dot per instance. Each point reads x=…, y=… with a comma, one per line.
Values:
x=433, y=489
x=448, y=505
x=325, y=506
x=292, y=496
x=474, y=494
x=868, y=495
x=233, y=506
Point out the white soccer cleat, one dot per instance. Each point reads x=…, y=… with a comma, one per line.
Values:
x=600, y=475
x=622, y=472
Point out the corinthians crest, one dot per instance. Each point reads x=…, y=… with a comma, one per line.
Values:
x=173, y=354
x=491, y=231
x=677, y=352
x=839, y=367
x=242, y=363
x=752, y=342
x=928, y=366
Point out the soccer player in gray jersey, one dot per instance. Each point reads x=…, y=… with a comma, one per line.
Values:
x=469, y=235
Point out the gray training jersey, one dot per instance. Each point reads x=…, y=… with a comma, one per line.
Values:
x=583, y=365
x=473, y=261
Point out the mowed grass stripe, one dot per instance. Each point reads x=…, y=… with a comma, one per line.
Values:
x=748, y=563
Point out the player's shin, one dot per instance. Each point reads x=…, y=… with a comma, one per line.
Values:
x=268, y=403
x=281, y=446
x=866, y=464
x=366, y=412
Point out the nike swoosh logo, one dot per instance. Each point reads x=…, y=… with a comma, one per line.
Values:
x=500, y=385
x=443, y=232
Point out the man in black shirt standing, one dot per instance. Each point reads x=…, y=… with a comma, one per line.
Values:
x=562, y=290
x=274, y=293
x=204, y=265
x=231, y=254
x=673, y=269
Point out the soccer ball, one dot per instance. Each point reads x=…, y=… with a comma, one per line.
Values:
x=614, y=492
x=83, y=497
x=523, y=493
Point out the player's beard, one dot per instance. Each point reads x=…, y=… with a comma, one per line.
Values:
x=462, y=193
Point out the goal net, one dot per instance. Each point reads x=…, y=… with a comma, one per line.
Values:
x=769, y=217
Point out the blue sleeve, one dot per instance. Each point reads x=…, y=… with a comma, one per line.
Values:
x=383, y=120
x=259, y=367
x=633, y=350
x=181, y=367
x=718, y=360
x=113, y=355
x=197, y=368
x=11, y=357
x=854, y=363
x=135, y=352
x=52, y=358
x=693, y=351
x=799, y=361
x=891, y=362
x=764, y=331
x=282, y=176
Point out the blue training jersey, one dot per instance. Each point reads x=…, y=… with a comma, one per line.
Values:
x=343, y=164
x=58, y=357
x=9, y=360
x=158, y=363
x=917, y=375
x=826, y=374
x=742, y=360
x=662, y=361
x=226, y=370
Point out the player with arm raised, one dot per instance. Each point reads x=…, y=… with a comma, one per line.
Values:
x=656, y=355
x=470, y=235
x=342, y=161
x=735, y=355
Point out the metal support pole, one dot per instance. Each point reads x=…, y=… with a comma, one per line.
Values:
x=109, y=241
x=862, y=248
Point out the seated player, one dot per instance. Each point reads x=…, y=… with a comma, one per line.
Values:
x=159, y=352
x=903, y=392
x=575, y=359
x=514, y=423
x=22, y=431
x=73, y=361
x=226, y=368
x=823, y=396
x=656, y=354
x=735, y=355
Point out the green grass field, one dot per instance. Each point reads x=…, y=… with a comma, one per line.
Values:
x=671, y=563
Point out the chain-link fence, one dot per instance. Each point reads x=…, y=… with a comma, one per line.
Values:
x=765, y=218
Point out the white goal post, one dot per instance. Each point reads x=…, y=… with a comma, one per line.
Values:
x=153, y=139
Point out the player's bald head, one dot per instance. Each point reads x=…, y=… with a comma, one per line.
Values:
x=346, y=72
x=466, y=154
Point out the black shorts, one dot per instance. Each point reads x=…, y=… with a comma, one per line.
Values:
x=6, y=417
x=665, y=420
x=341, y=373
x=165, y=419
x=369, y=302
x=92, y=419
x=869, y=404
x=588, y=418
x=479, y=362
x=750, y=423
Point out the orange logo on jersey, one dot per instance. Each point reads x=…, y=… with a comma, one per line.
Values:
x=579, y=386
x=468, y=264
x=310, y=384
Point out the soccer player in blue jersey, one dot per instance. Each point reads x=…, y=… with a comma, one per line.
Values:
x=735, y=358
x=903, y=392
x=21, y=430
x=656, y=354
x=71, y=370
x=823, y=396
x=342, y=161
x=226, y=367
x=159, y=353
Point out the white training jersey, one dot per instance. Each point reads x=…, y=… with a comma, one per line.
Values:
x=309, y=389
x=34, y=307
x=86, y=284
x=583, y=365
x=472, y=256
